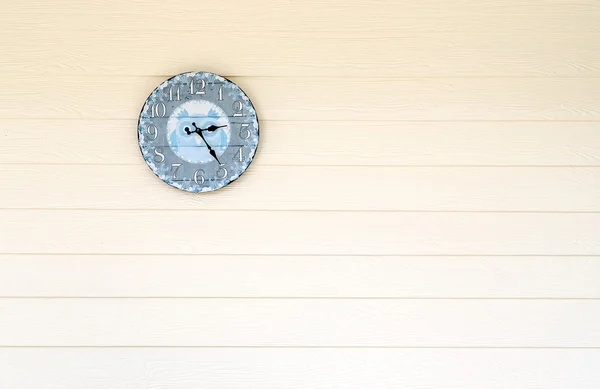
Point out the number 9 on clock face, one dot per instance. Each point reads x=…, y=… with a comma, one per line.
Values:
x=198, y=131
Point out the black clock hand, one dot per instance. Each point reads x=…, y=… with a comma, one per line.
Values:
x=213, y=128
x=209, y=129
x=210, y=149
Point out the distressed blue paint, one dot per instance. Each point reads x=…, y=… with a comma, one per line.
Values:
x=173, y=145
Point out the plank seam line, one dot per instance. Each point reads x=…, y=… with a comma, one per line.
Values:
x=59, y=209
x=357, y=74
x=315, y=166
x=307, y=347
x=70, y=75
x=55, y=26
x=100, y=120
x=595, y=256
x=294, y=298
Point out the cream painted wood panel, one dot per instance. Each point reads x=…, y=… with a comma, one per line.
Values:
x=245, y=276
x=339, y=188
x=368, y=100
x=184, y=368
x=308, y=54
x=299, y=323
x=315, y=143
x=380, y=16
x=298, y=233
x=423, y=211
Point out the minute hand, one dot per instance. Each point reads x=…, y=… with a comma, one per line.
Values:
x=210, y=149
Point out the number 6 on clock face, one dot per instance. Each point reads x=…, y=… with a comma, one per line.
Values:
x=198, y=131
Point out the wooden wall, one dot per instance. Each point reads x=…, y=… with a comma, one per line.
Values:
x=423, y=212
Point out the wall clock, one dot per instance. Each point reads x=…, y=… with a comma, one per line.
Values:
x=198, y=131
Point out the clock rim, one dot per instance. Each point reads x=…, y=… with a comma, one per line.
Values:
x=257, y=132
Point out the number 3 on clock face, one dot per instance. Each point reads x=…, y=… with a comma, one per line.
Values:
x=198, y=131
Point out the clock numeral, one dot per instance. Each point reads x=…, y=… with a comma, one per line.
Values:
x=152, y=131
x=174, y=168
x=159, y=110
x=238, y=108
x=221, y=93
x=239, y=155
x=158, y=154
x=175, y=96
x=224, y=173
x=201, y=90
x=244, y=131
x=199, y=176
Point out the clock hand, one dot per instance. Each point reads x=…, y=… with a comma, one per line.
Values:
x=210, y=149
x=213, y=128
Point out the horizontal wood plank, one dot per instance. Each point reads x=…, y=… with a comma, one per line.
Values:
x=432, y=217
x=299, y=233
x=398, y=143
x=306, y=54
x=326, y=99
x=352, y=188
x=309, y=15
x=307, y=323
x=298, y=277
x=298, y=368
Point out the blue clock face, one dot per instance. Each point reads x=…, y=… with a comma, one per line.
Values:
x=198, y=131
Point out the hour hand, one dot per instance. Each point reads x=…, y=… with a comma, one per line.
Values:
x=213, y=128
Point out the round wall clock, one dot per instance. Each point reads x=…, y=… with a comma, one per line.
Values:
x=198, y=131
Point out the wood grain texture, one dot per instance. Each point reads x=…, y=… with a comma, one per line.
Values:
x=246, y=276
x=326, y=99
x=300, y=233
x=350, y=188
x=380, y=16
x=314, y=143
x=306, y=323
x=298, y=368
x=356, y=55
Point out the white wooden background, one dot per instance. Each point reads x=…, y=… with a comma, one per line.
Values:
x=424, y=210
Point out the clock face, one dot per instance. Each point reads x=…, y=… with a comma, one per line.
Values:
x=198, y=131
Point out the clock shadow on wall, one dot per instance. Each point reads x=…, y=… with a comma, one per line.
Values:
x=198, y=131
